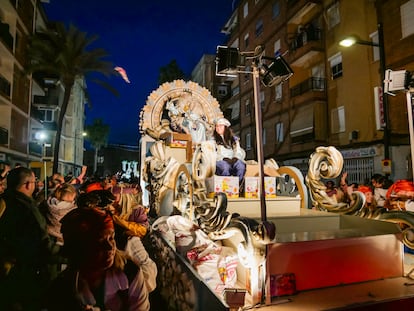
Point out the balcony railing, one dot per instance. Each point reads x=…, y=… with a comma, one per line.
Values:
x=311, y=84
x=308, y=34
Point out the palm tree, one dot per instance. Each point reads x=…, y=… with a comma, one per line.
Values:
x=65, y=53
x=98, y=133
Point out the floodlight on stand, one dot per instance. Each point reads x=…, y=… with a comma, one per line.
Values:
x=277, y=72
x=228, y=60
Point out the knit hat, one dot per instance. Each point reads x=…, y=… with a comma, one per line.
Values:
x=82, y=222
x=223, y=121
x=80, y=229
x=400, y=188
x=364, y=189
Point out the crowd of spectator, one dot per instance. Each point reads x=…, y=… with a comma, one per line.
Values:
x=72, y=243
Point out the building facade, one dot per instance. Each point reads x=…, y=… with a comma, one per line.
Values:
x=335, y=96
x=29, y=104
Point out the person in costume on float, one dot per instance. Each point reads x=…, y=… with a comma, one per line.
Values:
x=230, y=156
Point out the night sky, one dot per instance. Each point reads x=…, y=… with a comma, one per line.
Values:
x=142, y=36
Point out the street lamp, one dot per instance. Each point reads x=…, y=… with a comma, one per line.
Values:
x=349, y=41
x=270, y=71
x=75, y=145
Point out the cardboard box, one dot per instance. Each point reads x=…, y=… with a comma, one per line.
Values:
x=227, y=184
x=251, y=187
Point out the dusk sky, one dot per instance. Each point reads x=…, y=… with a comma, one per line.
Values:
x=142, y=37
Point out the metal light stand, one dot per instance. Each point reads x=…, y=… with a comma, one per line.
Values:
x=409, y=95
x=259, y=140
x=45, y=169
x=277, y=72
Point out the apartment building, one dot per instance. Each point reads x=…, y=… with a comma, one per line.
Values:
x=335, y=97
x=29, y=105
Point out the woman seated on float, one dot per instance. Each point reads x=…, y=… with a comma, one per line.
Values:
x=230, y=156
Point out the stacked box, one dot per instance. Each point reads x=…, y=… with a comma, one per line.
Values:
x=227, y=184
x=251, y=187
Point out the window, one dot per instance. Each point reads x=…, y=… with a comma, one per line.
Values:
x=338, y=120
x=336, y=65
x=279, y=132
x=407, y=20
x=248, y=107
x=248, y=141
x=333, y=15
x=246, y=40
x=235, y=110
x=245, y=9
x=248, y=70
x=276, y=48
x=275, y=9
x=259, y=27
x=46, y=115
x=262, y=99
x=302, y=122
x=318, y=77
x=375, y=49
x=235, y=91
x=278, y=92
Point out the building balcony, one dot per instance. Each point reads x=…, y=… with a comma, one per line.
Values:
x=45, y=100
x=310, y=89
x=298, y=9
x=4, y=136
x=305, y=46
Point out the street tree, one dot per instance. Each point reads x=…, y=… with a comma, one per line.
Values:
x=98, y=134
x=66, y=53
x=170, y=72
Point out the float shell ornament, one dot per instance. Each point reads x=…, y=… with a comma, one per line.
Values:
x=189, y=97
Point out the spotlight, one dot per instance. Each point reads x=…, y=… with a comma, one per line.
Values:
x=228, y=60
x=277, y=72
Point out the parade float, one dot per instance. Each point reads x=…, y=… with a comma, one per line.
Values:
x=216, y=250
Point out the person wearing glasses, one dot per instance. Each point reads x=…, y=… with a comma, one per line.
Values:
x=25, y=246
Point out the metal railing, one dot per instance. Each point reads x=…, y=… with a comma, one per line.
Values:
x=311, y=84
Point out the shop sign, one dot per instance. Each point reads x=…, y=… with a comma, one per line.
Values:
x=359, y=153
